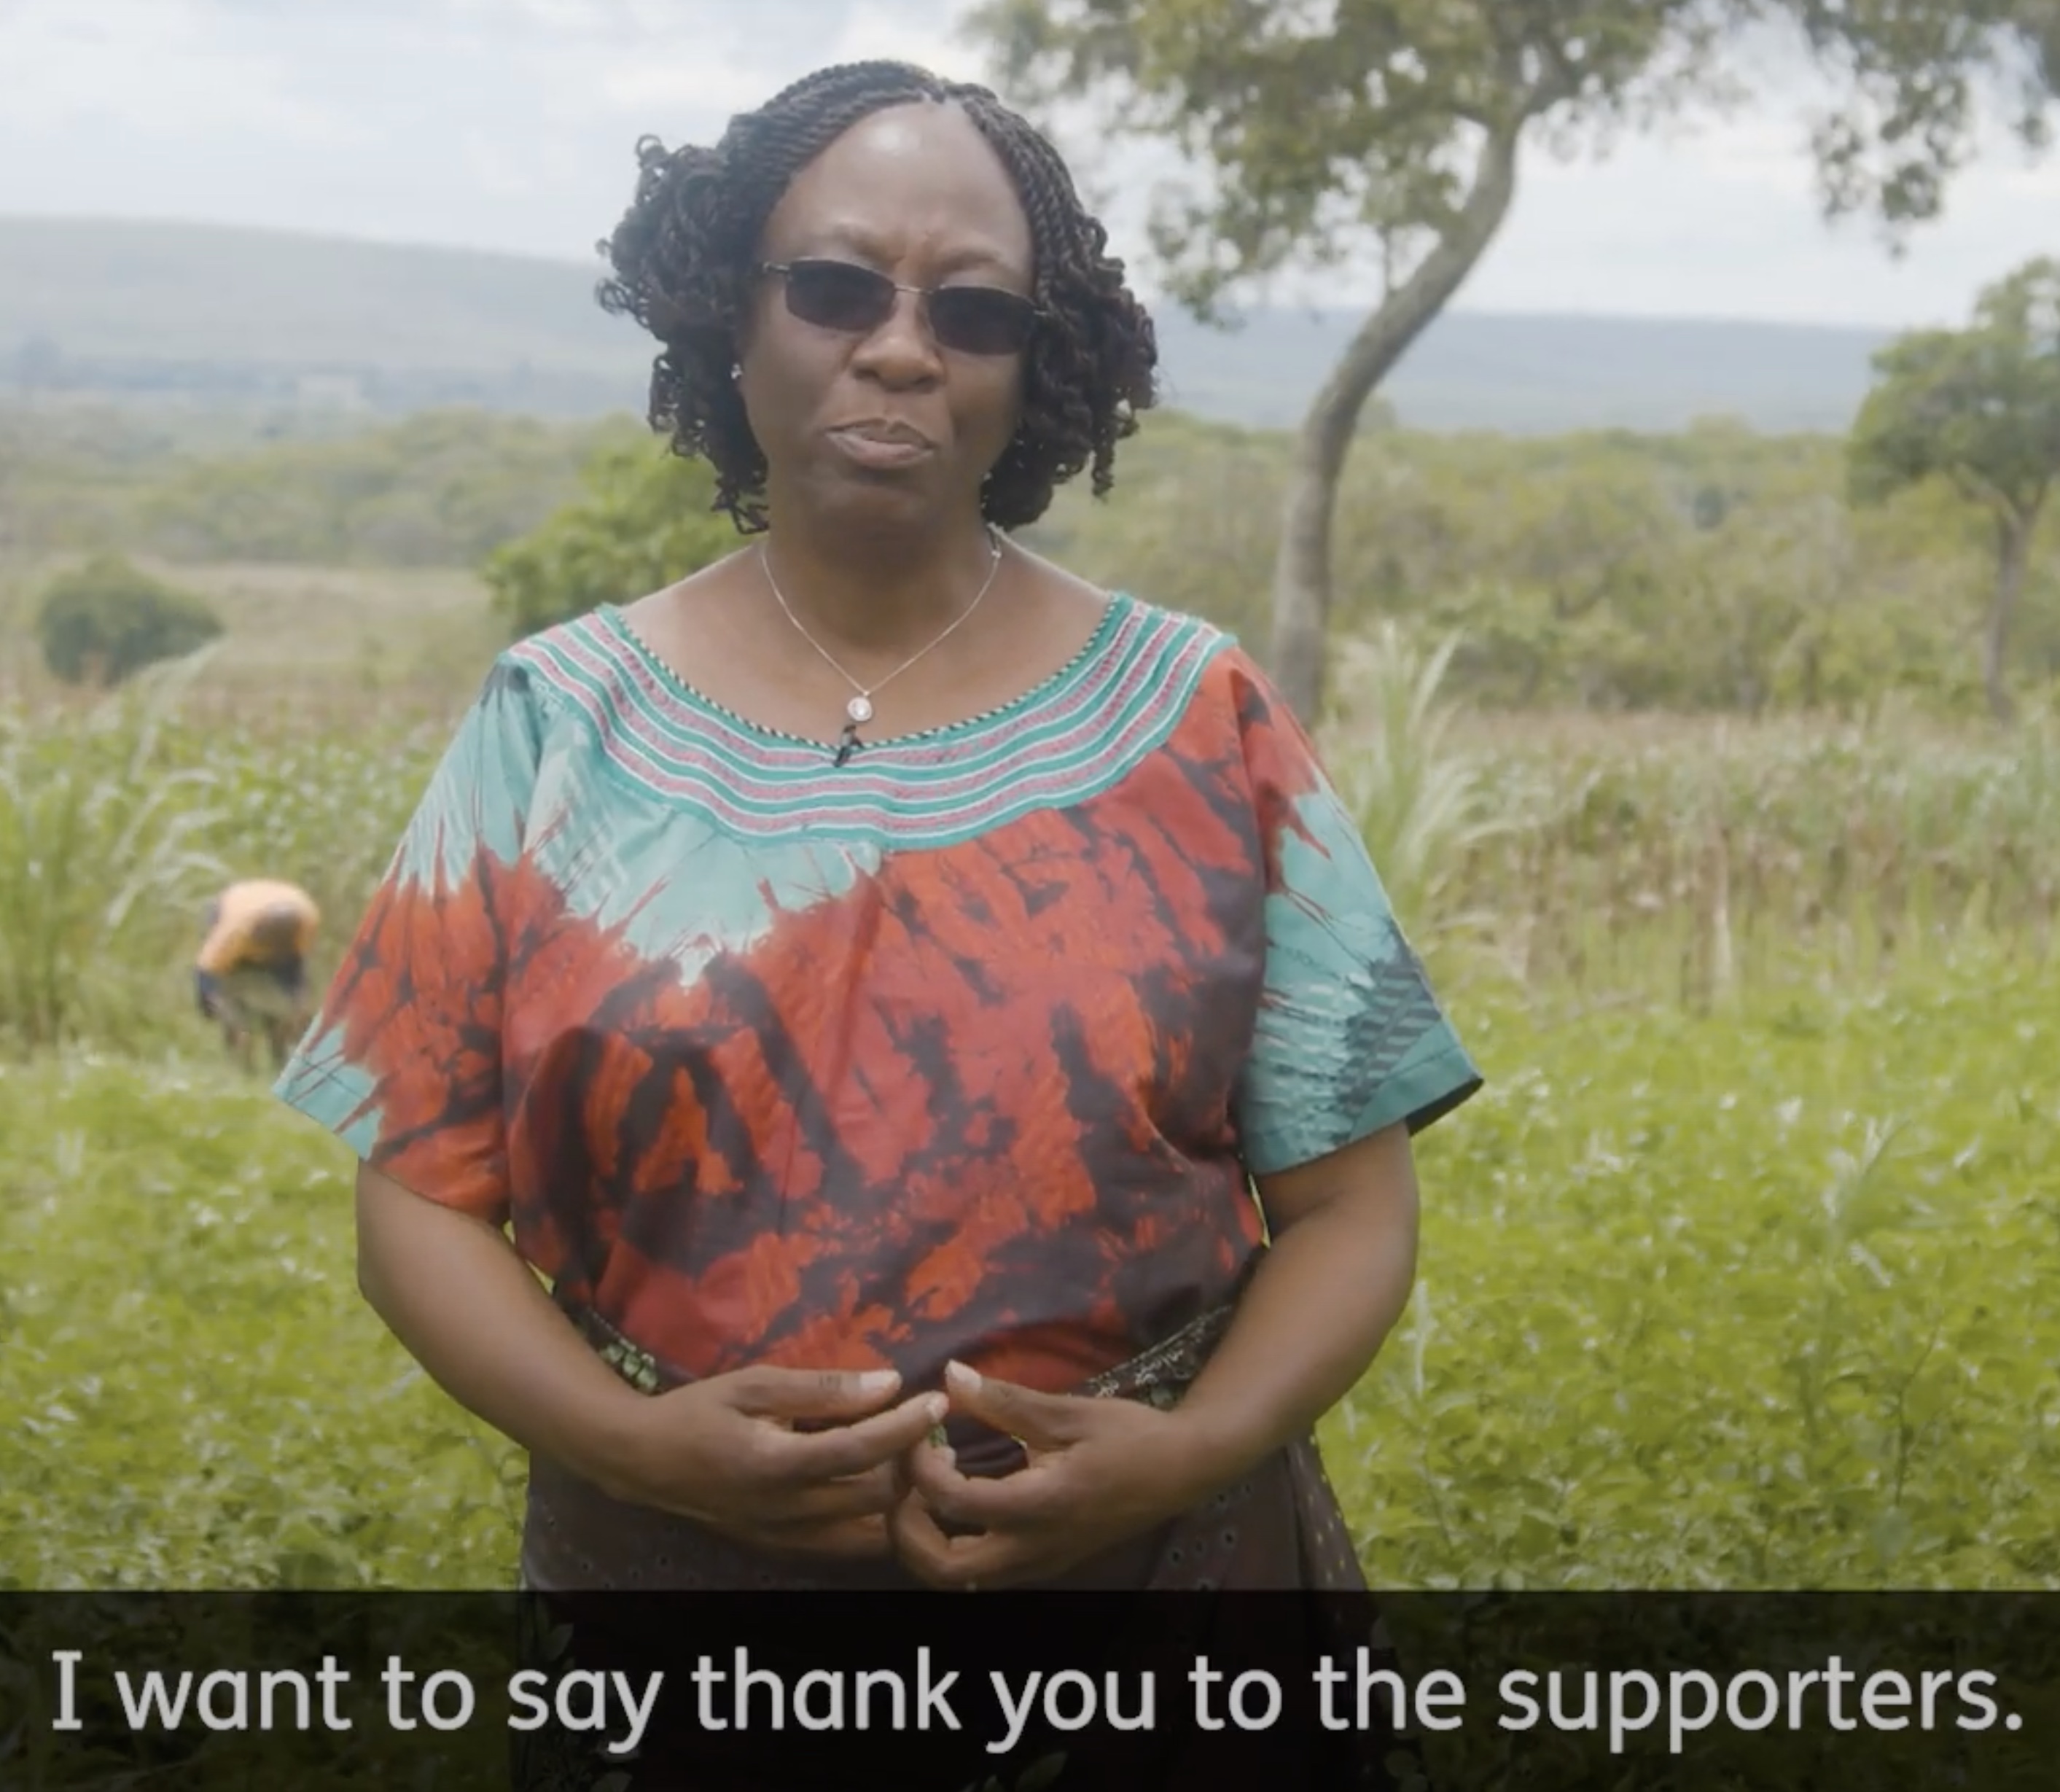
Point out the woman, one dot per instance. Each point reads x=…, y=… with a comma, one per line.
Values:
x=871, y=974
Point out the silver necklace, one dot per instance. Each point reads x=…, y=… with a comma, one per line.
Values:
x=858, y=710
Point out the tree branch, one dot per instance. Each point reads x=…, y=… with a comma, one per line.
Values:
x=1302, y=571
x=1383, y=339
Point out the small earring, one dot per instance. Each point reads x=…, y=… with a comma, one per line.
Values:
x=737, y=369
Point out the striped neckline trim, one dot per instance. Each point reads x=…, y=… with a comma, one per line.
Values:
x=1068, y=738
x=667, y=682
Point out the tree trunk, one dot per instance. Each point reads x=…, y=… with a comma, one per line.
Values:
x=1302, y=564
x=2013, y=530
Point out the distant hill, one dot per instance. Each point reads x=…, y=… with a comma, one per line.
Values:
x=209, y=315
x=1538, y=374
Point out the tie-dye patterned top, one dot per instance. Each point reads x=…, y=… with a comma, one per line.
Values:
x=968, y=1047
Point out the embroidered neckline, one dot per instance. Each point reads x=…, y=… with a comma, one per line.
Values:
x=625, y=632
x=1071, y=735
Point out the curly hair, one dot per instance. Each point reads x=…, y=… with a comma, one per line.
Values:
x=685, y=256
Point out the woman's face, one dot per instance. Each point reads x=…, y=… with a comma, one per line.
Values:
x=915, y=193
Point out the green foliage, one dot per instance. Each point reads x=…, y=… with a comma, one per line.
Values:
x=1715, y=569
x=1767, y=1298
x=1718, y=858
x=1712, y=569
x=106, y=620
x=1192, y=523
x=645, y=520
x=441, y=488
x=117, y=822
x=272, y=1434
x=1325, y=130
x=101, y=841
x=1764, y=1299
x=1744, y=1271
x=1392, y=133
x=1420, y=804
x=1978, y=409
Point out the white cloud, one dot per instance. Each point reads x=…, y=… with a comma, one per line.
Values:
x=149, y=68
x=693, y=83
x=1728, y=222
x=903, y=33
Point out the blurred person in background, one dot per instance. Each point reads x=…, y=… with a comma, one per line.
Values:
x=250, y=975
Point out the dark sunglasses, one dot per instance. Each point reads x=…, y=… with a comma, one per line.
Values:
x=843, y=296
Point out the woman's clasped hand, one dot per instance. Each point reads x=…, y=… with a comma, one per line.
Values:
x=837, y=1463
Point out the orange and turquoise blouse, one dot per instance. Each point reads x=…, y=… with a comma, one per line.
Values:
x=968, y=1047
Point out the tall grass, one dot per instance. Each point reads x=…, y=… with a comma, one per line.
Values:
x=1686, y=863
x=1761, y=1298
x=1421, y=805
x=101, y=841
x=119, y=818
x=1741, y=854
x=1698, y=859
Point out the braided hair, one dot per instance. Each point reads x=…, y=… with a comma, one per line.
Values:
x=684, y=252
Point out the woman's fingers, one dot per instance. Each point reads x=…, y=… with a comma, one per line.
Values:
x=783, y=1477
x=766, y=1476
x=729, y=1452
x=826, y=1501
x=1096, y=1474
x=838, y=1396
x=747, y=1435
x=1042, y=1421
x=854, y=1449
x=990, y=1559
x=1038, y=1494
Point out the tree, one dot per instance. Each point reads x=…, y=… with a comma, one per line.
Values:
x=106, y=620
x=1980, y=408
x=646, y=518
x=1328, y=129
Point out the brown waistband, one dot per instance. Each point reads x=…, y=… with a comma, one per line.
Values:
x=1158, y=1374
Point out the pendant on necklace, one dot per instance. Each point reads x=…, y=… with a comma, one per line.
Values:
x=860, y=708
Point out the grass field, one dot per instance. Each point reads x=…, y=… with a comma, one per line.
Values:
x=1766, y=1298
x=1744, y=1271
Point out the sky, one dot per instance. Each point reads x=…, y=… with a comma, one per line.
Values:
x=508, y=125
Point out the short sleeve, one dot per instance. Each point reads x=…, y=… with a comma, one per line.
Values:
x=403, y=1060
x=1349, y=1039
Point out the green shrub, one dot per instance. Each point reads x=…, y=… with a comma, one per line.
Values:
x=104, y=620
x=645, y=520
